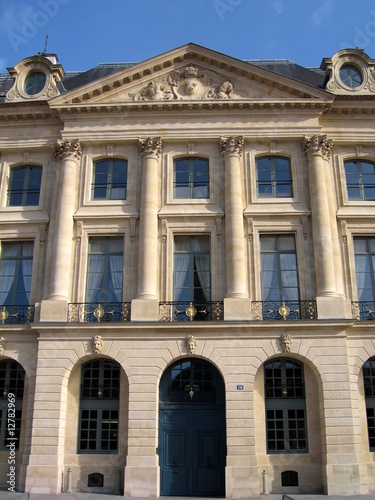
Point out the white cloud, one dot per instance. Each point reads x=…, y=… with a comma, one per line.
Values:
x=278, y=6
x=323, y=13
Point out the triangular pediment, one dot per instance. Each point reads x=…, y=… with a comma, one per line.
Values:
x=191, y=73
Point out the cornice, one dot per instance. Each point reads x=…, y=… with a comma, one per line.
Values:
x=202, y=105
x=158, y=66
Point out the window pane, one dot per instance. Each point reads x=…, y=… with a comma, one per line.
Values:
x=16, y=273
x=285, y=406
x=192, y=274
x=99, y=414
x=191, y=178
x=274, y=177
x=279, y=270
x=109, y=179
x=360, y=180
x=24, y=186
x=104, y=270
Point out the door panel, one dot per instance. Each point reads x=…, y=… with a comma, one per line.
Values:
x=192, y=458
x=174, y=477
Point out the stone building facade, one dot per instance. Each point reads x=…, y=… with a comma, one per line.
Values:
x=187, y=276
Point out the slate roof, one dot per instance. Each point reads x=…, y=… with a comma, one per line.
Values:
x=75, y=79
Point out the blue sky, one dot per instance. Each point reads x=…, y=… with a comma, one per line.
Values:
x=84, y=33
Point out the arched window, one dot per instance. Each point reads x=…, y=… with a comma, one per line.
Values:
x=99, y=407
x=24, y=186
x=191, y=178
x=369, y=384
x=274, y=178
x=360, y=179
x=285, y=406
x=12, y=379
x=109, y=179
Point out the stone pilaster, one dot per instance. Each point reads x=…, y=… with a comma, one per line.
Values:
x=236, y=304
x=318, y=151
x=145, y=306
x=67, y=155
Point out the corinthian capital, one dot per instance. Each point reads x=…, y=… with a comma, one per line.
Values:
x=232, y=145
x=150, y=147
x=68, y=149
x=318, y=145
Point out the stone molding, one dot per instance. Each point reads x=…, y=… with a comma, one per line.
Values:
x=318, y=145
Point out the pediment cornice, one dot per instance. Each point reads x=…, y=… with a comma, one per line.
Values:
x=190, y=73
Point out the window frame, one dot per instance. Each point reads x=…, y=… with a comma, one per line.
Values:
x=370, y=258
x=360, y=186
x=278, y=254
x=26, y=190
x=192, y=272
x=191, y=183
x=18, y=258
x=274, y=183
x=109, y=185
x=291, y=398
x=99, y=404
x=106, y=266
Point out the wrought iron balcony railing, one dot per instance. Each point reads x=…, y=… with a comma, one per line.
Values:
x=110, y=312
x=288, y=310
x=191, y=311
x=363, y=311
x=16, y=315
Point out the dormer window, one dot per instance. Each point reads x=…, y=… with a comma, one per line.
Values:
x=35, y=78
x=350, y=76
x=34, y=82
x=350, y=72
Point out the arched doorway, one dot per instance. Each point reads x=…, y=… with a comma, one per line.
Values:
x=192, y=436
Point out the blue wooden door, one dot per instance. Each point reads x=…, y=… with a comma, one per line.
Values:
x=192, y=442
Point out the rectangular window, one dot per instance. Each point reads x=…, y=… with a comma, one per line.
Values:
x=360, y=180
x=192, y=276
x=104, y=270
x=24, y=186
x=279, y=268
x=274, y=178
x=364, y=250
x=286, y=426
x=191, y=178
x=16, y=267
x=109, y=180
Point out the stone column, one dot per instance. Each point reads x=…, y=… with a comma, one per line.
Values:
x=67, y=155
x=145, y=306
x=236, y=304
x=318, y=150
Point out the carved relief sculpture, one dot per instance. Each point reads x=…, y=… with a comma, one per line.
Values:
x=2, y=346
x=318, y=145
x=97, y=344
x=286, y=342
x=66, y=149
x=191, y=344
x=232, y=145
x=186, y=84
